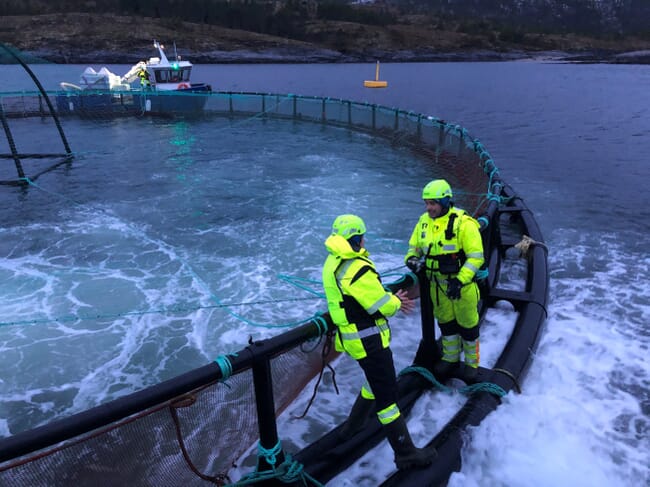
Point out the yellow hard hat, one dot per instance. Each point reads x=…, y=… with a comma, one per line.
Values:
x=437, y=190
x=348, y=226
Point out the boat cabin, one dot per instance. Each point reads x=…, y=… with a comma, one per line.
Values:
x=172, y=74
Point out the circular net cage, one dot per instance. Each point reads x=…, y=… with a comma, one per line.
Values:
x=190, y=430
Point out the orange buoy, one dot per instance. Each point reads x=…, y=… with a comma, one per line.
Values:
x=375, y=83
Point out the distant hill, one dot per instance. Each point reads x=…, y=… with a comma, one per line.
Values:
x=218, y=31
x=593, y=17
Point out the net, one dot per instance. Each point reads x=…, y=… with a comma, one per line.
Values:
x=190, y=430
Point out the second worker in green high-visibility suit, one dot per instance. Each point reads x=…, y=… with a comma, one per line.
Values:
x=359, y=305
x=449, y=241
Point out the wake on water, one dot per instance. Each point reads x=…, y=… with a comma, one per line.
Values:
x=582, y=418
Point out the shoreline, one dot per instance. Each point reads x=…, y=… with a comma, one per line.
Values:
x=295, y=55
x=85, y=38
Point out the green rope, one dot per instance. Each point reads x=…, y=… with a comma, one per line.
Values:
x=32, y=183
x=467, y=390
x=427, y=375
x=288, y=472
x=169, y=310
x=258, y=324
x=490, y=387
x=225, y=365
x=321, y=323
x=295, y=281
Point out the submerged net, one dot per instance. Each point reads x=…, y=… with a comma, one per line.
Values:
x=190, y=430
x=447, y=148
x=192, y=439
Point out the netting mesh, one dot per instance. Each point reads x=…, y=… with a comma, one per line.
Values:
x=447, y=148
x=193, y=438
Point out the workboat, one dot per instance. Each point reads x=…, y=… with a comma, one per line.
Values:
x=157, y=86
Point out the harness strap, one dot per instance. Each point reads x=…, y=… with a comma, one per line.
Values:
x=354, y=312
x=449, y=231
x=361, y=272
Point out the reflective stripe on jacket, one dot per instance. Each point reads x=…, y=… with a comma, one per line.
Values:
x=357, y=301
x=429, y=239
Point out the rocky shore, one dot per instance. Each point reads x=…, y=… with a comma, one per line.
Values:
x=87, y=38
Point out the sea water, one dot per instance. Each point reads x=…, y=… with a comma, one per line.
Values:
x=115, y=270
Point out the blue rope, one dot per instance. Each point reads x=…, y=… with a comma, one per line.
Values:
x=238, y=316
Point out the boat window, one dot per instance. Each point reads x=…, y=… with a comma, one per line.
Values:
x=162, y=76
x=173, y=75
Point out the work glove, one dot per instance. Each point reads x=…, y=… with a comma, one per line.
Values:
x=453, y=288
x=414, y=264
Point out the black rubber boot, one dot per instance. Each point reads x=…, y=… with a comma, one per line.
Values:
x=358, y=417
x=406, y=454
x=444, y=369
x=470, y=374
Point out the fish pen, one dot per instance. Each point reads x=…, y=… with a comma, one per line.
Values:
x=44, y=108
x=191, y=429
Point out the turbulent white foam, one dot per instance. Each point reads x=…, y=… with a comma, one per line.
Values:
x=127, y=288
x=582, y=418
x=144, y=271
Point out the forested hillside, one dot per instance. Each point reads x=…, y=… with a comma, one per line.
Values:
x=328, y=30
x=287, y=17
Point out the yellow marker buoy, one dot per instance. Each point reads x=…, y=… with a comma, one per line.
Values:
x=376, y=83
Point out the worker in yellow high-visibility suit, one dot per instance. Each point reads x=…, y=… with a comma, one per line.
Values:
x=359, y=305
x=145, y=82
x=447, y=242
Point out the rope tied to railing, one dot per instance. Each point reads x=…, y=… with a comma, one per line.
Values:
x=288, y=472
x=467, y=390
x=524, y=246
x=225, y=365
x=321, y=323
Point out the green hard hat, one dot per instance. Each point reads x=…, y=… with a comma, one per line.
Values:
x=437, y=190
x=348, y=226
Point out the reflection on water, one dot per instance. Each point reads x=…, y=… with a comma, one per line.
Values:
x=181, y=215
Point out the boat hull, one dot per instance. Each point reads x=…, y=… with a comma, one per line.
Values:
x=120, y=103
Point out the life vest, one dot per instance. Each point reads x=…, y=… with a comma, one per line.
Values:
x=350, y=279
x=452, y=245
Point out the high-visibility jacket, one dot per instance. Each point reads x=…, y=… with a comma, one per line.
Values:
x=450, y=250
x=357, y=301
x=144, y=77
